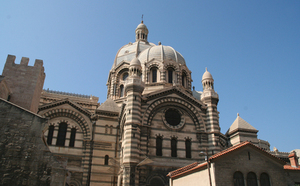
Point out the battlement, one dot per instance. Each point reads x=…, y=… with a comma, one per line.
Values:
x=25, y=82
x=10, y=61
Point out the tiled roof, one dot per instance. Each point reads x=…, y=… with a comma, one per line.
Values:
x=186, y=169
x=289, y=167
x=196, y=165
x=245, y=143
x=230, y=149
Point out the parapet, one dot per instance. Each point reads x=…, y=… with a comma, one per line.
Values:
x=10, y=60
x=25, y=82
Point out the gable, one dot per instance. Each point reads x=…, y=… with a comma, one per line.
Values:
x=173, y=91
x=240, y=149
x=65, y=103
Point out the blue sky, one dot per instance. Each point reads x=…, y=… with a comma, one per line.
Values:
x=252, y=49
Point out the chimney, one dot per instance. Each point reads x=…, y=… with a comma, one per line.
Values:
x=293, y=159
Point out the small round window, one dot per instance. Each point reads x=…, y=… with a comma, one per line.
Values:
x=173, y=117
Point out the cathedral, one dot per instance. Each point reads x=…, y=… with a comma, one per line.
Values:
x=152, y=122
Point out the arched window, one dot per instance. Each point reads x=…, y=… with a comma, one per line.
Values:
x=264, y=180
x=183, y=79
x=106, y=158
x=50, y=135
x=106, y=129
x=61, y=136
x=238, y=179
x=170, y=75
x=72, y=137
x=111, y=129
x=156, y=182
x=174, y=147
x=159, y=146
x=121, y=90
x=125, y=76
x=154, y=75
x=188, y=148
x=251, y=179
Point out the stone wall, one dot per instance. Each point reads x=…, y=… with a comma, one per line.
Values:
x=24, y=157
x=25, y=82
x=4, y=90
x=248, y=160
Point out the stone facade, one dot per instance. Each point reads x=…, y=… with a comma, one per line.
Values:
x=254, y=165
x=150, y=124
x=25, y=82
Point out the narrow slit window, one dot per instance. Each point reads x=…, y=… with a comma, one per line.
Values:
x=121, y=91
x=106, y=158
x=154, y=75
x=183, y=79
x=170, y=76
x=50, y=135
x=61, y=136
x=159, y=146
x=188, y=149
x=72, y=137
x=174, y=147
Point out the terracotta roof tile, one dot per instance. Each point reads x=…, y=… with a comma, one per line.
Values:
x=289, y=167
x=230, y=149
x=196, y=165
x=245, y=143
x=186, y=169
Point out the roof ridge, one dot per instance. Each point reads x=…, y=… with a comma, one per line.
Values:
x=230, y=149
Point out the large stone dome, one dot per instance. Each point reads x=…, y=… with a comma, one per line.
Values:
x=161, y=53
x=130, y=51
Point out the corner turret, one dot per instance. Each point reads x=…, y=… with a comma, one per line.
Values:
x=209, y=93
x=132, y=127
x=211, y=99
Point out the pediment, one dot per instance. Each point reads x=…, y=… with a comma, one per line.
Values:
x=173, y=91
x=65, y=102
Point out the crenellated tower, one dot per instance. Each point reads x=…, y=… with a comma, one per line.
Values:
x=25, y=82
x=211, y=99
x=131, y=131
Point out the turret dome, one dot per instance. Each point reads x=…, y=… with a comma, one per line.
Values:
x=207, y=75
x=135, y=62
x=142, y=26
